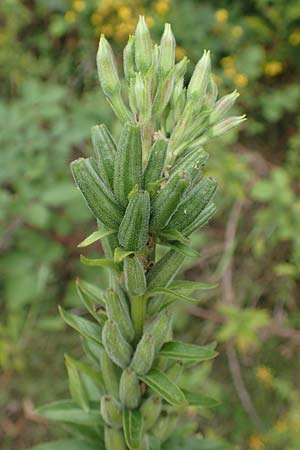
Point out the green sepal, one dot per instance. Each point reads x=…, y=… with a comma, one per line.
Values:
x=134, y=276
x=111, y=411
x=115, y=345
x=94, y=237
x=201, y=220
x=128, y=163
x=187, y=352
x=181, y=248
x=200, y=400
x=133, y=428
x=99, y=262
x=120, y=254
x=150, y=410
x=114, y=439
x=161, y=328
x=98, y=197
x=161, y=385
x=133, y=230
x=164, y=270
x=130, y=391
x=156, y=162
x=173, y=235
x=118, y=311
x=165, y=425
x=104, y=150
x=84, y=327
x=144, y=355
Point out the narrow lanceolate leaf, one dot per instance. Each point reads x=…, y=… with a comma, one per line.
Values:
x=187, y=286
x=133, y=428
x=187, y=352
x=94, y=237
x=91, y=305
x=100, y=262
x=128, y=163
x=98, y=197
x=91, y=290
x=93, y=374
x=161, y=385
x=69, y=412
x=85, y=327
x=181, y=248
x=173, y=293
x=200, y=400
x=104, y=150
x=69, y=444
x=173, y=235
x=77, y=389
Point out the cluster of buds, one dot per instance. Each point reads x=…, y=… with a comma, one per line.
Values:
x=147, y=189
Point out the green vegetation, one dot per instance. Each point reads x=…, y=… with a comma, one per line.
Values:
x=50, y=100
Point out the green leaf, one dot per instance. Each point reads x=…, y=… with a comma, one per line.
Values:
x=85, y=327
x=173, y=235
x=120, y=254
x=187, y=352
x=191, y=286
x=200, y=400
x=94, y=375
x=68, y=411
x=133, y=427
x=92, y=291
x=100, y=262
x=161, y=290
x=69, y=444
x=76, y=386
x=182, y=248
x=91, y=305
x=95, y=236
x=160, y=383
x=195, y=444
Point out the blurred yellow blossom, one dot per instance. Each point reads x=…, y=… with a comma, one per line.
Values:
x=95, y=19
x=241, y=80
x=264, y=374
x=79, y=5
x=256, y=442
x=180, y=52
x=237, y=31
x=273, y=68
x=124, y=12
x=162, y=7
x=221, y=16
x=149, y=21
x=230, y=71
x=294, y=38
x=107, y=29
x=227, y=61
x=70, y=16
x=281, y=425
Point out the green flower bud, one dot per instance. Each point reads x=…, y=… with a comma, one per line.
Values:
x=134, y=276
x=114, y=439
x=156, y=161
x=163, y=95
x=115, y=345
x=150, y=410
x=144, y=355
x=142, y=95
x=130, y=391
x=164, y=270
x=107, y=68
x=198, y=85
x=167, y=51
x=201, y=220
x=111, y=411
x=165, y=425
x=104, y=150
x=212, y=94
x=110, y=375
x=128, y=58
x=174, y=372
x=117, y=310
x=143, y=46
x=180, y=68
x=160, y=330
x=223, y=105
x=227, y=125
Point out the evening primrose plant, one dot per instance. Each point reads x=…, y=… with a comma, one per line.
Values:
x=148, y=190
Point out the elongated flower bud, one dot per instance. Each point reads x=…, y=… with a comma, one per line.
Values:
x=143, y=46
x=150, y=410
x=164, y=270
x=165, y=425
x=144, y=355
x=223, y=105
x=118, y=311
x=115, y=345
x=114, y=439
x=156, y=162
x=227, y=125
x=128, y=58
x=198, y=85
x=201, y=220
x=160, y=329
x=107, y=68
x=130, y=391
x=134, y=276
x=104, y=150
x=111, y=411
x=167, y=51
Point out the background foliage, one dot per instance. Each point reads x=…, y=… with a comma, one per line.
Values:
x=50, y=99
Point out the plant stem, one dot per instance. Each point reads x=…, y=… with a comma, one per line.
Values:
x=138, y=310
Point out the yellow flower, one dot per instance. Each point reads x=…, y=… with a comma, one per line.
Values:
x=294, y=38
x=237, y=31
x=264, y=374
x=180, y=52
x=280, y=425
x=256, y=442
x=107, y=29
x=70, y=16
x=241, y=80
x=221, y=16
x=230, y=71
x=227, y=61
x=273, y=68
x=79, y=5
x=95, y=19
x=149, y=21
x=162, y=7
x=124, y=12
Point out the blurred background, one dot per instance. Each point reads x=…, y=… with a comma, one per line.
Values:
x=50, y=99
